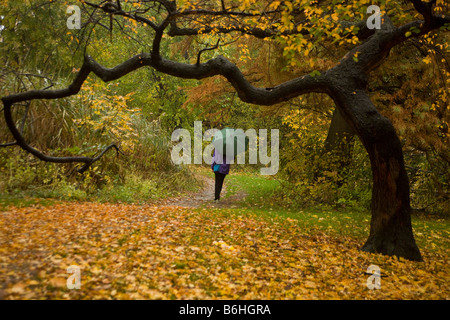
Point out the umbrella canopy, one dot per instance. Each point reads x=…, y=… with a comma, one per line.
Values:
x=229, y=141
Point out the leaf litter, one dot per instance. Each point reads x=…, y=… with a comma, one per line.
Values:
x=170, y=252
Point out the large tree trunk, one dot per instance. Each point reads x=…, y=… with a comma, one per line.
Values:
x=390, y=227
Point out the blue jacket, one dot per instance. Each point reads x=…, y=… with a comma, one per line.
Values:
x=224, y=166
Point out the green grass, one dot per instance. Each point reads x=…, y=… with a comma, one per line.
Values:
x=135, y=189
x=261, y=200
x=21, y=201
x=259, y=190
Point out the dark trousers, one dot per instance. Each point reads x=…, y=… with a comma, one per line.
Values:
x=219, y=183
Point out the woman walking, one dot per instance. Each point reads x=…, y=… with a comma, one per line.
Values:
x=221, y=168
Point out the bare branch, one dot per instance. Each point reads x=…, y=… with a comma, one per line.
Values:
x=88, y=164
x=22, y=126
x=9, y=144
x=114, y=9
x=206, y=49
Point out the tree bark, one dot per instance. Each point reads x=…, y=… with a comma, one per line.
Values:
x=390, y=228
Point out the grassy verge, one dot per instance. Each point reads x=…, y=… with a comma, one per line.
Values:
x=430, y=232
x=21, y=201
x=134, y=189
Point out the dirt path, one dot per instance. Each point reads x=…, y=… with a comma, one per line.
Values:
x=205, y=197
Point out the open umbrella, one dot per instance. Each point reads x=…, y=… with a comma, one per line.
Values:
x=230, y=140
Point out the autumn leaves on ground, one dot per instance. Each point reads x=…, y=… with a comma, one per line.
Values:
x=236, y=250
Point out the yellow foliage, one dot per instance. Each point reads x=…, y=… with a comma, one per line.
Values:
x=109, y=114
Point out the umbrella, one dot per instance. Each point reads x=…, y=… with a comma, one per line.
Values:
x=229, y=139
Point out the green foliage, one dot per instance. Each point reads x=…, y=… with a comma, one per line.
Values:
x=137, y=112
x=430, y=182
x=20, y=171
x=144, y=175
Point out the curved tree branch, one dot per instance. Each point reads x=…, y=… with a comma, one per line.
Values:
x=88, y=164
x=22, y=126
x=206, y=49
x=9, y=144
x=89, y=65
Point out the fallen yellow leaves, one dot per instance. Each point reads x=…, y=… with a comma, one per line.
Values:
x=169, y=252
x=58, y=282
x=224, y=246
